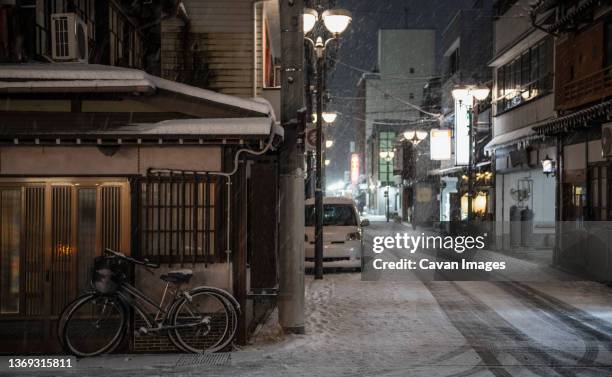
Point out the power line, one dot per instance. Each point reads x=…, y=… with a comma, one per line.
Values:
x=407, y=103
x=391, y=76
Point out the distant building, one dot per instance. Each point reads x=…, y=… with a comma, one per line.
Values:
x=406, y=62
x=466, y=50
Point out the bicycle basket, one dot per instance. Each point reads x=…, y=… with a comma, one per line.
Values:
x=108, y=273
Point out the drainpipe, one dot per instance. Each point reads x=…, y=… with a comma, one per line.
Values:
x=255, y=4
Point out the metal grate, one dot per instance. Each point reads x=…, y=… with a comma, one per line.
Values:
x=111, y=217
x=179, y=217
x=61, y=37
x=62, y=247
x=204, y=359
x=33, y=249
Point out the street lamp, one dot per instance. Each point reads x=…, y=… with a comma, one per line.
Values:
x=388, y=157
x=415, y=137
x=329, y=143
x=548, y=166
x=335, y=21
x=466, y=95
x=327, y=162
x=329, y=117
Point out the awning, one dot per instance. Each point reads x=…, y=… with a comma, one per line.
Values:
x=224, y=127
x=575, y=120
x=520, y=136
x=571, y=15
x=177, y=131
x=95, y=78
x=447, y=171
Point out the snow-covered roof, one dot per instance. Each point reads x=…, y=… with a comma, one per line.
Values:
x=81, y=77
x=210, y=126
x=192, y=129
x=521, y=135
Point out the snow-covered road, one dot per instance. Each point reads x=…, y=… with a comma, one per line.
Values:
x=415, y=328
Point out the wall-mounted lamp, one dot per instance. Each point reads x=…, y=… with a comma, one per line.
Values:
x=548, y=166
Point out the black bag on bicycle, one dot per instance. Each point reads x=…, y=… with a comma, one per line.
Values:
x=107, y=273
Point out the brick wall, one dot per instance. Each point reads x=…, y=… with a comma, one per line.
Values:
x=159, y=342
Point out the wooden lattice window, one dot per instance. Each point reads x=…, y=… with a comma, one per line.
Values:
x=180, y=218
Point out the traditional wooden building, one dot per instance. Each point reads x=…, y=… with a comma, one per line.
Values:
x=98, y=156
x=97, y=152
x=582, y=129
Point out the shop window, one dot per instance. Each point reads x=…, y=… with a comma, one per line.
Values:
x=49, y=234
x=386, y=142
x=597, y=205
x=86, y=234
x=10, y=240
x=574, y=201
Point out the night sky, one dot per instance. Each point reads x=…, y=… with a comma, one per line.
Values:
x=358, y=51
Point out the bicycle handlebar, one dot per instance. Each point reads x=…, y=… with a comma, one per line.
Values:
x=119, y=254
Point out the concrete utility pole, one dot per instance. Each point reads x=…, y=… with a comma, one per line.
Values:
x=291, y=228
x=319, y=170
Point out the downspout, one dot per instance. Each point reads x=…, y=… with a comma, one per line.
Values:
x=228, y=175
x=181, y=13
x=255, y=4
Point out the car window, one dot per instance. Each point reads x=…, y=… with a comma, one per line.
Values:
x=333, y=214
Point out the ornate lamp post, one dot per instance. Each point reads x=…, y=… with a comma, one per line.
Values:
x=388, y=157
x=335, y=21
x=466, y=97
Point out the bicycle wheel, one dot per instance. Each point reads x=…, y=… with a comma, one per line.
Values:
x=202, y=320
x=94, y=325
x=59, y=330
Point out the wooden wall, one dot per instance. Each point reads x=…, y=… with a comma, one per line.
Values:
x=221, y=39
x=579, y=63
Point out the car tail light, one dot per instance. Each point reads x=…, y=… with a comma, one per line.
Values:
x=353, y=236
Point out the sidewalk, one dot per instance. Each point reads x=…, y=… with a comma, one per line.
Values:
x=374, y=217
x=127, y=364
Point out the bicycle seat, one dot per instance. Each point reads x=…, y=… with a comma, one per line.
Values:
x=177, y=276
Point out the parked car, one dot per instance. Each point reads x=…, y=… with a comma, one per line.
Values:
x=342, y=234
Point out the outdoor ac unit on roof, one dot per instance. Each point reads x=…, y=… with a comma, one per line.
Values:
x=69, y=38
x=606, y=140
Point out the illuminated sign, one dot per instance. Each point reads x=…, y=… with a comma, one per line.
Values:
x=462, y=131
x=354, y=168
x=440, y=145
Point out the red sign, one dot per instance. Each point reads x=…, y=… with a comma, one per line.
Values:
x=354, y=168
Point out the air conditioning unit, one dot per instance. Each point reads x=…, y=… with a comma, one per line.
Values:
x=606, y=139
x=68, y=38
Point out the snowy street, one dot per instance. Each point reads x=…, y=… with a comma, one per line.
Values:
x=402, y=328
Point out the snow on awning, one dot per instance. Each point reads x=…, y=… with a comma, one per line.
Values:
x=181, y=131
x=223, y=127
x=519, y=136
x=83, y=78
x=447, y=171
x=575, y=120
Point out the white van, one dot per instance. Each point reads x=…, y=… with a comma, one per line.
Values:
x=342, y=234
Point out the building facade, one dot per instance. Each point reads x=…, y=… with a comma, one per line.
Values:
x=523, y=98
x=406, y=62
x=97, y=153
x=466, y=50
x=582, y=100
